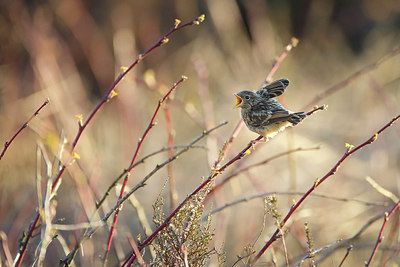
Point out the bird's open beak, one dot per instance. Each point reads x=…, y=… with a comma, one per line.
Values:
x=239, y=101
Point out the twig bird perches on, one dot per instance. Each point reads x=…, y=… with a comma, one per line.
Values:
x=263, y=114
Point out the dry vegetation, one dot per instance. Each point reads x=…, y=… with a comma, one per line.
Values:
x=123, y=125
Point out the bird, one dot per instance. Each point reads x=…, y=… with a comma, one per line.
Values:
x=263, y=114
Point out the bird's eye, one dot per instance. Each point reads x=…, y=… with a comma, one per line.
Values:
x=247, y=97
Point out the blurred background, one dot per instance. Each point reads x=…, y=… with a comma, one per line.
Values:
x=71, y=51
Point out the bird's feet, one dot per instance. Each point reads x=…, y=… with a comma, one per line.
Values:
x=260, y=139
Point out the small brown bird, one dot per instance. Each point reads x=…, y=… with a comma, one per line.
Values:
x=263, y=114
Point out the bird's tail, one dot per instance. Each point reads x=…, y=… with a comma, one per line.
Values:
x=297, y=117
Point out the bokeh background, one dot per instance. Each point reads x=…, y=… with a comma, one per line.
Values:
x=71, y=51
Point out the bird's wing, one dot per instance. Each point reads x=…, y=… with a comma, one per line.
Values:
x=278, y=114
x=257, y=117
x=274, y=89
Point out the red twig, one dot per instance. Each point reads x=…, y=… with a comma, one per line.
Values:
x=346, y=255
x=8, y=143
x=141, y=140
x=350, y=151
x=110, y=93
x=210, y=178
x=380, y=237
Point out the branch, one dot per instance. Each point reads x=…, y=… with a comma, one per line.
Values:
x=350, y=248
x=210, y=178
x=157, y=168
x=8, y=143
x=142, y=183
x=139, y=146
x=262, y=195
x=109, y=94
x=386, y=193
x=347, y=241
x=293, y=43
x=312, y=253
x=216, y=188
x=350, y=151
x=141, y=161
x=380, y=236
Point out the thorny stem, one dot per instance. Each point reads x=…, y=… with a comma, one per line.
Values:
x=129, y=261
x=350, y=151
x=110, y=93
x=380, y=236
x=141, y=140
x=8, y=143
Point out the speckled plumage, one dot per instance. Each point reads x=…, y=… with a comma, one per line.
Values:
x=265, y=115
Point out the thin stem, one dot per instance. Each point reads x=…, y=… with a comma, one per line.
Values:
x=380, y=236
x=8, y=143
x=293, y=43
x=312, y=253
x=350, y=248
x=347, y=241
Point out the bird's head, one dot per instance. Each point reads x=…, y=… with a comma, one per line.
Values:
x=245, y=99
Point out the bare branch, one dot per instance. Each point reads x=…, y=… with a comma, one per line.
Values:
x=316, y=251
x=380, y=236
x=8, y=143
